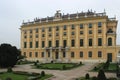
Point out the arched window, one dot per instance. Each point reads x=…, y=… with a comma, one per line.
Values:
x=109, y=41
x=109, y=31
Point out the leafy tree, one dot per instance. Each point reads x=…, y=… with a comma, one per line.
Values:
x=101, y=75
x=9, y=55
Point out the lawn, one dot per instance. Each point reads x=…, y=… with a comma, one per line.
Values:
x=20, y=77
x=57, y=66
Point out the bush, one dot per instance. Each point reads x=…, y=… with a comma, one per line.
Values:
x=42, y=73
x=8, y=79
x=94, y=78
x=112, y=79
x=101, y=75
x=52, y=61
x=80, y=62
x=87, y=76
x=9, y=69
x=35, y=63
x=95, y=68
x=64, y=67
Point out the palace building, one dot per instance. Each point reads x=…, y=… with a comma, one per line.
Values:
x=86, y=36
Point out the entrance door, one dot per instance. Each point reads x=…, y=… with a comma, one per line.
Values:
x=57, y=55
x=109, y=57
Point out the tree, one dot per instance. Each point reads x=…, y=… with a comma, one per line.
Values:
x=42, y=73
x=87, y=76
x=9, y=55
x=101, y=75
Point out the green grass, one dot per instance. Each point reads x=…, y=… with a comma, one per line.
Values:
x=13, y=76
x=20, y=77
x=112, y=66
x=57, y=66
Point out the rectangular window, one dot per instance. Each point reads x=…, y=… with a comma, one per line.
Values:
x=48, y=54
x=50, y=35
x=25, y=32
x=81, y=26
x=57, y=34
x=90, y=31
x=30, y=36
x=81, y=42
x=30, y=54
x=36, y=54
x=42, y=55
x=64, y=43
x=36, y=30
x=99, y=54
x=24, y=54
x=72, y=27
x=81, y=32
x=90, y=42
x=57, y=28
x=36, y=44
x=64, y=27
x=30, y=31
x=43, y=35
x=72, y=54
x=99, y=24
x=30, y=44
x=25, y=44
x=43, y=30
x=99, y=31
x=25, y=37
x=43, y=44
x=36, y=36
x=64, y=33
x=99, y=41
x=50, y=44
x=73, y=33
x=90, y=54
x=49, y=29
x=64, y=54
x=57, y=43
x=90, y=25
x=81, y=54
x=73, y=43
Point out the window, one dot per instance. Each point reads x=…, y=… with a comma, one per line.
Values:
x=81, y=32
x=49, y=29
x=24, y=54
x=90, y=54
x=90, y=42
x=25, y=37
x=43, y=30
x=72, y=27
x=81, y=26
x=43, y=44
x=48, y=54
x=64, y=34
x=99, y=54
x=72, y=55
x=57, y=28
x=30, y=36
x=73, y=33
x=57, y=43
x=25, y=44
x=81, y=54
x=57, y=34
x=36, y=44
x=37, y=36
x=90, y=31
x=30, y=31
x=109, y=41
x=25, y=32
x=73, y=43
x=30, y=54
x=99, y=31
x=42, y=55
x=43, y=35
x=36, y=54
x=64, y=27
x=50, y=35
x=109, y=31
x=99, y=24
x=50, y=43
x=64, y=54
x=81, y=42
x=90, y=25
x=99, y=41
x=30, y=44
x=37, y=30
x=64, y=43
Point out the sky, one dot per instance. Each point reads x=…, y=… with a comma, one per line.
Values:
x=13, y=12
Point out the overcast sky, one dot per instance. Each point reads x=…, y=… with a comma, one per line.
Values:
x=13, y=12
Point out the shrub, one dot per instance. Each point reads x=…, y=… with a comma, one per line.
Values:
x=8, y=79
x=101, y=75
x=80, y=62
x=64, y=67
x=87, y=76
x=94, y=78
x=95, y=68
x=112, y=79
x=35, y=63
x=42, y=73
x=52, y=61
x=9, y=69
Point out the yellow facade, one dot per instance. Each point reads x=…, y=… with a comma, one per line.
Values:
x=86, y=36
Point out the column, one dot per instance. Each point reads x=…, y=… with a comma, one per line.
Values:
x=60, y=59
x=61, y=34
x=86, y=35
x=68, y=33
x=95, y=40
x=45, y=56
x=104, y=34
x=51, y=54
x=67, y=55
x=77, y=36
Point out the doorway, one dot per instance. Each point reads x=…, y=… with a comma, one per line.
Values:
x=109, y=57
